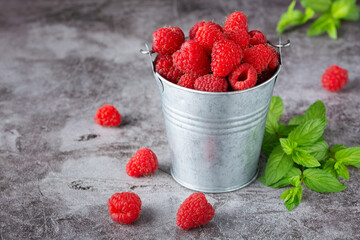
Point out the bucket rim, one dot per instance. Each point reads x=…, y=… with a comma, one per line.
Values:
x=165, y=81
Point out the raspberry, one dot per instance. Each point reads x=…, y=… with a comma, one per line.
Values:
x=239, y=36
x=334, y=78
x=164, y=66
x=257, y=37
x=211, y=83
x=197, y=25
x=274, y=59
x=167, y=40
x=187, y=81
x=243, y=77
x=207, y=35
x=124, y=207
x=192, y=59
x=107, y=116
x=144, y=162
x=236, y=20
x=225, y=55
x=194, y=211
x=259, y=56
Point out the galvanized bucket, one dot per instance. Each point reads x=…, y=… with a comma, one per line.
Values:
x=214, y=138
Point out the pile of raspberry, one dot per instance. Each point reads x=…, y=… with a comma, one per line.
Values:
x=215, y=58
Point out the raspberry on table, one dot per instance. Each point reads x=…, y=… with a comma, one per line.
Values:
x=192, y=59
x=259, y=56
x=187, y=81
x=124, y=207
x=167, y=40
x=207, y=35
x=243, y=77
x=211, y=83
x=236, y=20
x=257, y=37
x=334, y=78
x=197, y=25
x=226, y=54
x=144, y=162
x=165, y=67
x=107, y=116
x=239, y=36
x=194, y=211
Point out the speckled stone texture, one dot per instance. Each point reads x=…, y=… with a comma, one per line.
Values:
x=61, y=60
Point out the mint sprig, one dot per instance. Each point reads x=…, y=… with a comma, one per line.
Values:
x=327, y=13
x=300, y=156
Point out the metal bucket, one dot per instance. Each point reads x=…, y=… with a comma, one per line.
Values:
x=214, y=138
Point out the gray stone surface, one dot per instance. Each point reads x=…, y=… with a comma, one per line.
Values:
x=61, y=60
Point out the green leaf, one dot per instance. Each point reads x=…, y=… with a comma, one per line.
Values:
x=301, y=157
x=287, y=145
x=320, y=25
x=277, y=166
x=285, y=181
x=271, y=125
x=353, y=14
x=316, y=110
x=270, y=141
x=319, y=150
x=341, y=169
x=285, y=130
x=337, y=148
x=292, y=197
x=331, y=30
x=321, y=181
x=297, y=120
x=329, y=167
x=308, y=132
x=343, y=8
x=349, y=156
x=276, y=106
x=319, y=6
x=293, y=17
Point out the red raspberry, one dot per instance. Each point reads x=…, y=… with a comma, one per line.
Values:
x=194, y=211
x=165, y=67
x=124, y=207
x=239, y=36
x=144, y=162
x=259, y=56
x=167, y=40
x=192, y=59
x=211, y=83
x=243, y=77
x=257, y=37
x=236, y=20
x=207, y=35
x=187, y=81
x=274, y=59
x=197, y=25
x=334, y=78
x=225, y=55
x=107, y=116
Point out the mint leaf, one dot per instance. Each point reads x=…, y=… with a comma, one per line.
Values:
x=319, y=150
x=271, y=125
x=349, y=156
x=321, y=181
x=319, y=6
x=270, y=141
x=308, y=132
x=292, y=175
x=277, y=166
x=293, y=17
x=320, y=25
x=316, y=110
x=276, y=109
x=331, y=30
x=341, y=169
x=301, y=157
x=329, y=167
x=353, y=14
x=292, y=197
x=337, y=148
x=297, y=120
x=343, y=8
x=287, y=145
x=285, y=130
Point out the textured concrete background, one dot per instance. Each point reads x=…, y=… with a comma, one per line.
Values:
x=61, y=60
